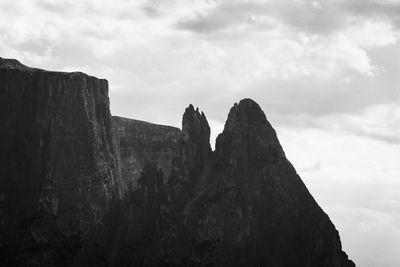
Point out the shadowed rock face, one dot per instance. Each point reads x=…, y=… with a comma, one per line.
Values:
x=63, y=196
x=241, y=205
x=255, y=210
x=195, y=142
x=142, y=142
x=59, y=163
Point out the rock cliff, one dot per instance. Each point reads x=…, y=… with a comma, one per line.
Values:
x=80, y=188
x=241, y=205
x=255, y=210
x=142, y=142
x=59, y=162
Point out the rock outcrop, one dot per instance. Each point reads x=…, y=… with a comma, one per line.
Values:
x=195, y=142
x=142, y=142
x=80, y=188
x=241, y=205
x=59, y=163
x=255, y=210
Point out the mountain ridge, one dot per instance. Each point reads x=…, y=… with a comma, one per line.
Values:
x=142, y=194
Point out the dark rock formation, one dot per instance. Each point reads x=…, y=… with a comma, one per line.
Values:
x=255, y=210
x=195, y=142
x=241, y=205
x=59, y=165
x=142, y=142
x=63, y=196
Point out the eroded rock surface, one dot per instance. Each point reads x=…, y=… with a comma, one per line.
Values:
x=142, y=142
x=241, y=205
x=59, y=164
x=75, y=192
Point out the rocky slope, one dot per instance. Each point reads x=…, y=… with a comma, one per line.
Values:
x=59, y=163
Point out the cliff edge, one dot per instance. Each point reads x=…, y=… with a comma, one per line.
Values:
x=59, y=162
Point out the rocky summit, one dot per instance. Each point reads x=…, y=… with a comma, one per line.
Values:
x=79, y=187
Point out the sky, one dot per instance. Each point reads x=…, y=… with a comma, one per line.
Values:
x=325, y=72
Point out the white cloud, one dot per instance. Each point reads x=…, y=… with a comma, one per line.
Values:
x=372, y=33
x=379, y=122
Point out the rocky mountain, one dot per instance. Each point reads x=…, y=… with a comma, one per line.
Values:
x=240, y=205
x=59, y=163
x=80, y=188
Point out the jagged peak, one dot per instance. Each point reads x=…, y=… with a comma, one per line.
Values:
x=246, y=113
x=195, y=138
x=192, y=115
x=194, y=123
x=248, y=102
x=191, y=110
x=190, y=107
x=247, y=126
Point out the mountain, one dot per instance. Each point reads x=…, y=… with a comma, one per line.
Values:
x=82, y=188
x=240, y=205
x=59, y=163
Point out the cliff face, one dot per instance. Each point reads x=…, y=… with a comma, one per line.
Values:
x=195, y=143
x=59, y=164
x=142, y=142
x=75, y=192
x=241, y=205
x=255, y=210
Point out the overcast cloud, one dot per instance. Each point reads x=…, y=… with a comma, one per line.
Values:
x=327, y=74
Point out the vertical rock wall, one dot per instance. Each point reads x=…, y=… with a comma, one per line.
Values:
x=73, y=194
x=142, y=142
x=240, y=205
x=59, y=164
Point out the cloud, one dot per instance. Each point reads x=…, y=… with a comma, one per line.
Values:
x=223, y=16
x=286, y=39
x=356, y=184
x=388, y=138
x=387, y=9
x=315, y=166
x=267, y=50
x=323, y=96
x=379, y=123
x=61, y=7
x=156, y=8
x=312, y=36
x=309, y=16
